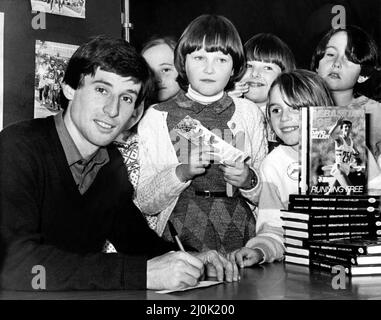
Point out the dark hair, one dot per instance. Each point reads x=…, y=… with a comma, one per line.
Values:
x=213, y=33
x=156, y=40
x=347, y=122
x=111, y=55
x=361, y=49
x=267, y=47
x=302, y=88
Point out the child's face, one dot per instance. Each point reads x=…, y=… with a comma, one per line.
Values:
x=284, y=119
x=259, y=76
x=339, y=73
x=160, y=58
x=208, y=72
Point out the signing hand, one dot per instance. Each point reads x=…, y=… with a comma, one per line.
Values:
x=173, y=270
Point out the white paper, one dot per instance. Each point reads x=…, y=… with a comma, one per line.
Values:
x=201, y=284
x=194, y=131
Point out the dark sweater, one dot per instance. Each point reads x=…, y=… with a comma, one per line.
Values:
x=46, y=221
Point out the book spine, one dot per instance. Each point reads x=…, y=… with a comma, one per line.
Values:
x=353, y=199
x=344, y=249
x=331, y=256
x=308, y=207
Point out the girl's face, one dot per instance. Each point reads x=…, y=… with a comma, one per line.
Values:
x=160, y=58
x=259, y=76
x=339, y=73
x=208, y=72
x=284, y=119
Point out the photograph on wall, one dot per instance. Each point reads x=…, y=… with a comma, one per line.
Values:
x=1, y=68
x=51, y=61
x=70, y=8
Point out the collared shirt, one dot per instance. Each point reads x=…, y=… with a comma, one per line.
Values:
x=83, y=170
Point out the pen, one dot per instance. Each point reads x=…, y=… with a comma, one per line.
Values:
x=173, y=232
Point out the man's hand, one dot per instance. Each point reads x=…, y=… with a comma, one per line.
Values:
x=199, y=159
x=245, y=257
x=218, y=266
x=173, y=270
x=236, y=173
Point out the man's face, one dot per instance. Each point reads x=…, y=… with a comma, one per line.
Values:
x=346, y=129
x=100, y=109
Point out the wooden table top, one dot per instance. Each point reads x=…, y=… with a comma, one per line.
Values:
x=275, y=281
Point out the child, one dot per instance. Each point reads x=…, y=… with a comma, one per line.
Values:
x=279, y=171
x=158, y=52
x=187, y=188
x=267, y=56
x=345, y=59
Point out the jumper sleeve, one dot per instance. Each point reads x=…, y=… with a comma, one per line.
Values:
x=258, y=144
x=24, y=246
x=269, y=233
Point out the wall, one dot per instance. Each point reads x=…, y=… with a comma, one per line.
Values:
x=102, y=17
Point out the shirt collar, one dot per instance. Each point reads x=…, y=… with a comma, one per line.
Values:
x=218, y=106
x=71, y=151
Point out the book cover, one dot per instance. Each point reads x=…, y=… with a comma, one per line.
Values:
x=333, y=155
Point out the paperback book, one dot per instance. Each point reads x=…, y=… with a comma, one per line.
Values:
x=333, y=155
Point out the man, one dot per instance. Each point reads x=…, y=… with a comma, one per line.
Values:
x=65, y=191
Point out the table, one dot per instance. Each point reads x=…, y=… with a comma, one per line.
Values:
x=275, y=281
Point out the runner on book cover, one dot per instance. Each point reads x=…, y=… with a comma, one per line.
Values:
x=345, y=154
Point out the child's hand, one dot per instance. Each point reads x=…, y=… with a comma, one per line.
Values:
x=240, y=88
x=199, y=159
x=245, y=257
x=236, y=173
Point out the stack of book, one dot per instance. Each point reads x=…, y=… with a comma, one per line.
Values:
x=311, y=218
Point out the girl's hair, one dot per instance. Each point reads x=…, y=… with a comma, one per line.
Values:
x=213, y=33
x=302, y=88
x=267, y=47
x=156, y=40
x=361, y=49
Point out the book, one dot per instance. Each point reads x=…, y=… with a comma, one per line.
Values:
x=326, y=234
x=297, y=250
x=346, y=258
x=349, y=269
x=355, y=246
x=325, y=225
x=305, y=216
x=331, y=208
x=293, y=258
x=333, y=200
x=333, y=156
x=295, y=241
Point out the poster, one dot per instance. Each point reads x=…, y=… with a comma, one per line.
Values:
x=1, y=68
x=70, y=8
x=51, y=61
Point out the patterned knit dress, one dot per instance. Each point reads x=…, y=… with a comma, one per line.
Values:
x=220, y=223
